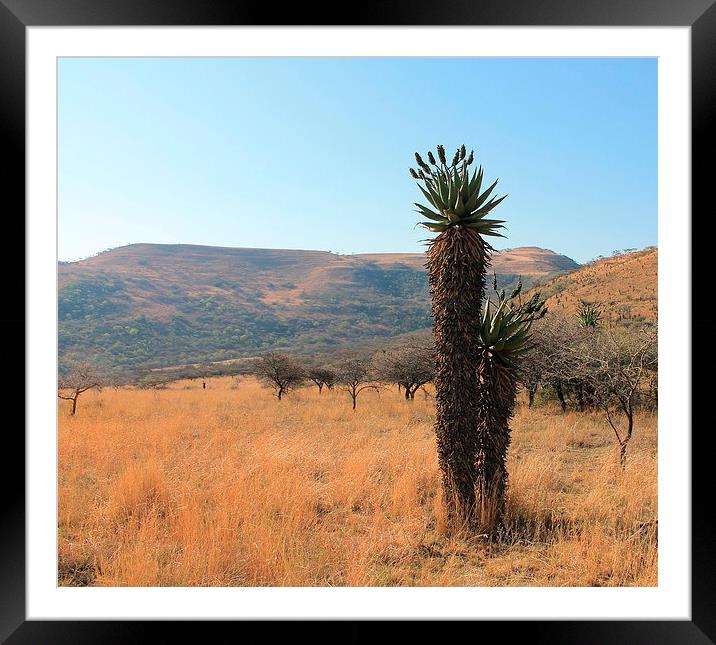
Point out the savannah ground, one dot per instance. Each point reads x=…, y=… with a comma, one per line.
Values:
x=229, y=487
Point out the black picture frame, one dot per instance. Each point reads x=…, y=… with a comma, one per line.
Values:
x=17, y=15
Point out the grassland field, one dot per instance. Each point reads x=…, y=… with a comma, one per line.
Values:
x=229, y=487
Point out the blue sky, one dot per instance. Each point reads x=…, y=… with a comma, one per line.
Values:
x=314, y=153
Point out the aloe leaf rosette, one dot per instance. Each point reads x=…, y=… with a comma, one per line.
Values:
x=455, y=194
x=505, y=327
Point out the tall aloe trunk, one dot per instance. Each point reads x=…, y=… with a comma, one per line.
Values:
x=457, y=264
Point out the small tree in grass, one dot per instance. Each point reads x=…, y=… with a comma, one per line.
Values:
x=551, y=361
x=531, y=375
x=411, y=364
x=191, y=373
x=619, y=367
x=322, y=376
x=79, y=379
x=280, y=372
x=354, y=375
x=153, y=382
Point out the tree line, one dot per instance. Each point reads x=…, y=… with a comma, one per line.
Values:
x=408, y=364
x=576, y=361
x=586, y=365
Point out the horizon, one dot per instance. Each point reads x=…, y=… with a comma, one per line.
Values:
x=305, y=250
x=314, y=153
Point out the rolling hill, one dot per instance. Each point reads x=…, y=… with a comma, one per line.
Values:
x=151, y=305
x=624, y=285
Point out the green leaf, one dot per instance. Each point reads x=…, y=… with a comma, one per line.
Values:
x=477, y=182
x=465, y=183
x=460, y=206
x=439, y=228
x=431, y=196
x=490, y=205
x=451, y=194
x=485, y=195
x=426, y=212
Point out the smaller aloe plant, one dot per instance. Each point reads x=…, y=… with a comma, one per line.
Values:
x=589, y=315
x=505, y=329
x=504, y=337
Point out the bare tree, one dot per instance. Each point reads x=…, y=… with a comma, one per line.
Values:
x=152, y=382
x=321, y=376
x=618, y=365
x=279, y=371
x=531, y=373
x=354, y=375
x=410, y=364
x=549, y=359
x=78, y=380
x=536, y=369
x=189, y=372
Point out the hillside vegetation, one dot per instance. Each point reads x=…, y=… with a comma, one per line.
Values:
x=149, y=305
x=228, y=487
x=626, y=287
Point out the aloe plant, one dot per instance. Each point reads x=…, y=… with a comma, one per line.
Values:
x=456, y=195
x=503, y=340
x=457, y=262
x=589, y=315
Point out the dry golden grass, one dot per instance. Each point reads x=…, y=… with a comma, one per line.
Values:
x=227, y=486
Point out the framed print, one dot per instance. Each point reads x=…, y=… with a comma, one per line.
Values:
x=359, y=321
